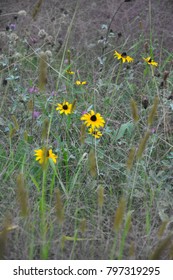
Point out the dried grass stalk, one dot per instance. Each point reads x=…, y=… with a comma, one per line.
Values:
x=92, y=163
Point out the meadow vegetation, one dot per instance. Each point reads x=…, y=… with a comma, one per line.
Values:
x=85, y=144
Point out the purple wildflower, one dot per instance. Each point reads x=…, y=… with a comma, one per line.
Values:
x=12, y=26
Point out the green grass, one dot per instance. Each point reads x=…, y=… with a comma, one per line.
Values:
x=74, y=224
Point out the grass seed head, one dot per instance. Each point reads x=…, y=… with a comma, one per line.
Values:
x=142, y=145
x=130, y=159
x=3, y=236
x=119, y=215
x=83, y=225
x=153, y=111
x=73, y=105
x=82, y=134
x=59, y=207
x=22, y=195
x=15, y=122
x=134, y=110
x=162, y=228
x=36, y=9
x=161, y=247
x=100, y=194
x=30, y=105
x=42, y=70
x=45, y=129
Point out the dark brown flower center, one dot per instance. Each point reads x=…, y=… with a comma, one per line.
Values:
x=65, y=107
x=124, y=54
x=150, y=60
x=93, y=118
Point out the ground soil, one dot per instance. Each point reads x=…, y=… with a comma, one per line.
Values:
x=132, y=20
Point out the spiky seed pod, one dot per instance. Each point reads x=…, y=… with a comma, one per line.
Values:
x=131, y=158
x=15, y=122
x=22, y=195
x=163, y=84
x=153, y=111
x=142, y=145
x=134, y=110
x=92, y=163
x=119, y=215
x=145, y=102
x=165, y=75
x=59, y=207
x=100, y=196
x=42, y=71
x=170, y=97
x=22, y=13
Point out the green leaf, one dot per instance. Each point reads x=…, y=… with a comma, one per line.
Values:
x=126, y=127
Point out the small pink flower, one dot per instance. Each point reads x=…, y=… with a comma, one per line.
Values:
x=84, y=112
x=53, y=93
x=36, y=114
x=33, y=90
x=153, y=130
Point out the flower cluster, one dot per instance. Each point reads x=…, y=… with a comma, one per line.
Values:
x=94, y=121
x=123, y=57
